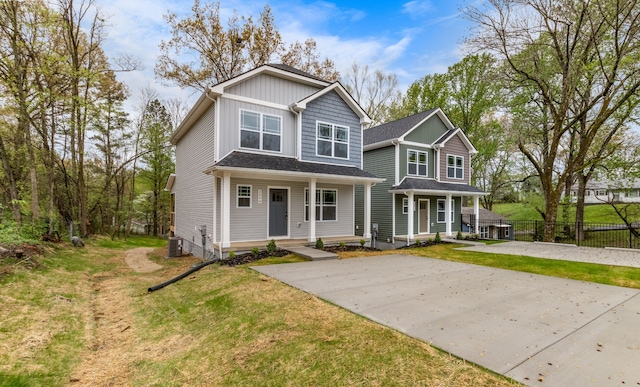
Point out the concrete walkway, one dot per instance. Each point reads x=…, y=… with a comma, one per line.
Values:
x=312, y=254
x=538, y=330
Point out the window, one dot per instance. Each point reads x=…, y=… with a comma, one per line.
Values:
x=405, y=205
x=484, y=232
x=332, y=140
x=244, y=196
x=442, y=210
x=601, y=192
x=260, y=131
x=416, y=163
x=455, y=167
x=326, y=205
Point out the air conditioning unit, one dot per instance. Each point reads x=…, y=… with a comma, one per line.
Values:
x=175, y=247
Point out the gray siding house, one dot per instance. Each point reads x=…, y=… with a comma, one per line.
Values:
x=274, y=153
x=426, y=163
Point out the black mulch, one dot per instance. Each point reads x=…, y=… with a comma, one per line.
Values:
x=339, y=249
x=245, y=258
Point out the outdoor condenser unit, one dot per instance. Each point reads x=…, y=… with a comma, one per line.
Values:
x=175, y=247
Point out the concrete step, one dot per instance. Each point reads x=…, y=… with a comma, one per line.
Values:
x=312, y=254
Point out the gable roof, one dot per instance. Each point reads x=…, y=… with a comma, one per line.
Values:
x=256, y=163
x=343, y=93
x=439, y=143
x=484, y=215
x=394, y=129
x=208, y=96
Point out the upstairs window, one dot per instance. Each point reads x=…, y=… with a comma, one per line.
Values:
x=260, y=131
x=416, y=163
x=332, y=140
x=455, y=167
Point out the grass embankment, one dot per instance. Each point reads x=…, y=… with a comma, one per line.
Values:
x=598, y=213
x=86, y=318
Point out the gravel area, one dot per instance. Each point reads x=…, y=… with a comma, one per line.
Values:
x=607, y=256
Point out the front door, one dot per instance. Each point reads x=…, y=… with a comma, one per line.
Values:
x=423, y=216
x=278, y=216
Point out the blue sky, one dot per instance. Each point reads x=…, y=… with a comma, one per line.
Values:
x=410, y=39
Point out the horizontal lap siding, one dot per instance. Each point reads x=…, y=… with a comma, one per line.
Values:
x=332, y=109
x=381, y=163
x=401, y=219
x=192, y=187
x=249, y=224
x=404, y=158
x=455, y=147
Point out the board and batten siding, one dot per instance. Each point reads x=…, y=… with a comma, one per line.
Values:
x=273, y=89
x=251, y=224
x=428, y=132
x=230, y=126
x=379, y=162
x=331, y=108
x=193, y=188
x=455, y=147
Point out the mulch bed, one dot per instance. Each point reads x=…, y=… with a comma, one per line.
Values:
x=339, y=249
x=245, y=258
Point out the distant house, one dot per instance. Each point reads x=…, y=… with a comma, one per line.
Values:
x=274, y=153
x=426, y=162
x=609, y=191
x=490, y=224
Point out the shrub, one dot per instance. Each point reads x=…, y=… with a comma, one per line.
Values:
x=342, y=244
x=232, y=254
x=437, y=239
x=418, y=242
x=255, y=251
x=271, y=247
x=319, y=244
x=362, y=242
x=459, y=236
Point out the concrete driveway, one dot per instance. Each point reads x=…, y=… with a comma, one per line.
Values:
x=538, y=330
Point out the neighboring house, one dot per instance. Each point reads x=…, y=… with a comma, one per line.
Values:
x=426, y=163
x=253, y=148
x=608, y=191
x=490, y=225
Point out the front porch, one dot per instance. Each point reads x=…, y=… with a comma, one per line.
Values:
x=285, y=243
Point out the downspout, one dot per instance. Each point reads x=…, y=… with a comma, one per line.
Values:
x=214, y=231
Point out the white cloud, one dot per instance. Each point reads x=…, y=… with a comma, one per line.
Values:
x=417, y=7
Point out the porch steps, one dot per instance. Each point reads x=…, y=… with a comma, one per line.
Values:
x=312, y=254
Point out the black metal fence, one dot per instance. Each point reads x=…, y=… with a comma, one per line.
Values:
x=581, y=234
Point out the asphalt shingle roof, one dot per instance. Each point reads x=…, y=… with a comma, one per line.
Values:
x=445, y=136
x=433, y=185
x=277, y=163
x=394, y=129
x=484, y=215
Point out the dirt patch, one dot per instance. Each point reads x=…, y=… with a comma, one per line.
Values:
x=138, y=261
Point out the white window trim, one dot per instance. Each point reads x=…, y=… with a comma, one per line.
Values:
x=333, y=141
x=405, y=205
x=417, y=163
x=484, y=232
x=455, y=157
x=319, y=204
x=453, y=210
x=238, y=197
x=261, y=131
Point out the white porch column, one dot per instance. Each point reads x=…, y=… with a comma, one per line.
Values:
x=367, y=211
x=410, y=218
x=226, y=209
x=312, y=210
x=447, y=215
x=476, y=213
x=215, y=215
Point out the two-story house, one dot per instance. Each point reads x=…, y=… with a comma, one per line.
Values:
x=426, y=163
x=274, y=153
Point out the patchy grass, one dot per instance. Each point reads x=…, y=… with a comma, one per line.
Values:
x=597, y=213
x=590, y=272
x=86, y=318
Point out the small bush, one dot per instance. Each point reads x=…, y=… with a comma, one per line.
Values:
x=319, y=244
x=418, y=242
x=459, y=236
x=271, y=247
x=437, y=239
x=342, y=244
x=255, y=251
x=232, y=254
x=362, y=242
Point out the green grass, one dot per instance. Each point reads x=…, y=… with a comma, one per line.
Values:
x=604, y=274
x=598, y=213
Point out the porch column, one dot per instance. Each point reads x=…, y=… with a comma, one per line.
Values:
x=226, y=209
x=447, y=214
x=476, y=212
x=312, y=210
x=410, y=218
x=367, y=211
